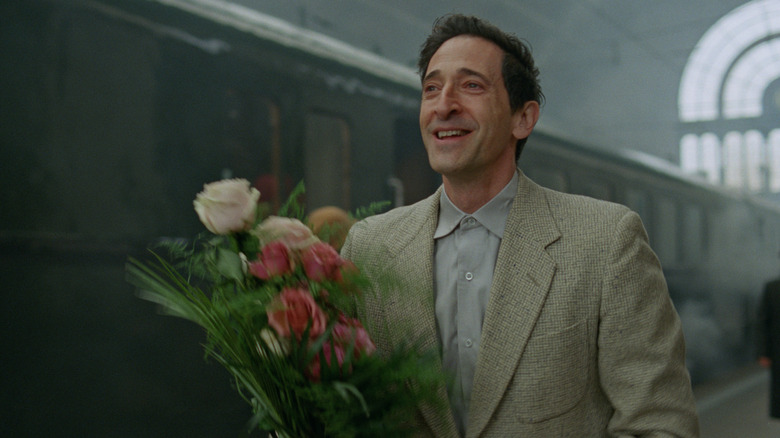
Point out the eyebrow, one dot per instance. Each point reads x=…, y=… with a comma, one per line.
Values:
x=463, y=71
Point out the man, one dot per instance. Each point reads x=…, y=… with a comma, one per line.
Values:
x=769, y=345
x=550, y=310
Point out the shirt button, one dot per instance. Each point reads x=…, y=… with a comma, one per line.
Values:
x=468, y=343
x=469, y=276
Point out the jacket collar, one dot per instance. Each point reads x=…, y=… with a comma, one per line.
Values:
x=523, y=275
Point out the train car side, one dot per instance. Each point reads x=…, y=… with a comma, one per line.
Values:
x=717, y=247
x=117, y=113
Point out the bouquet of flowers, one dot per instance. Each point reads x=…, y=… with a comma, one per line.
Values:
x=277, y=305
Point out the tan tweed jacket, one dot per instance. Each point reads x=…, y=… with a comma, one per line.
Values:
x=580, y=338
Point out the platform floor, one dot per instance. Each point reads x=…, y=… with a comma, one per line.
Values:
x=737, y=406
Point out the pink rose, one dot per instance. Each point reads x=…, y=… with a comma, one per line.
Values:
x=227, y=206
x=274, y=259
x=292, y=232
x=322, y=262
x=292, y=311
x=348, y=330
x=314, y=371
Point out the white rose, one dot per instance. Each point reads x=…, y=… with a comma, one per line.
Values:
x=292, y=232
x=275, y=346
x=244, y=262
x=227, y=206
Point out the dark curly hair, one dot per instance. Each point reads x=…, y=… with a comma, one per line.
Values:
x=521, y=77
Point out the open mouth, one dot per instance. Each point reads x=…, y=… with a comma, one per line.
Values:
x=451, y=133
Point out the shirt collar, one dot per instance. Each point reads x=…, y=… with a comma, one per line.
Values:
x=491, y=215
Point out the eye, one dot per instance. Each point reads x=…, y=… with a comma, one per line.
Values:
x=429, y=89
x=473, y=86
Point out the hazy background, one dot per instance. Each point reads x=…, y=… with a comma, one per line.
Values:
x=610, y=69
x=82, y=355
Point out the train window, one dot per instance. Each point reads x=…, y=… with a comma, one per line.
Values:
x=326, y=161
x=769, y=234
x=218, y=131
x=417, y=179
x=692, y=234
x=637, y=200
x=550, y=178
x=251, y=145
x=594, y=189
x=665, y=231
x=773, y=236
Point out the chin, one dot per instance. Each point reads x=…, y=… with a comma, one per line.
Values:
x=439, y=167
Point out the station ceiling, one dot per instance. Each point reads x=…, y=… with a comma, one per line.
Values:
x=611, y=69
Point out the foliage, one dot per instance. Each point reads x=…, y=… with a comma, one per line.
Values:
x=276, y=304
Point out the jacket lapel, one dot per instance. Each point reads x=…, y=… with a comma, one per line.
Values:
x=522, y=278
x=411, y=254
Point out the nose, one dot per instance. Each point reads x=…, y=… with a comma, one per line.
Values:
x=447, y=103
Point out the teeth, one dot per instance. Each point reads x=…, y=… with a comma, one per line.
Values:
x=442, y=134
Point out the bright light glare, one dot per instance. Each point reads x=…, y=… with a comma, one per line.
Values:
x=719, y=49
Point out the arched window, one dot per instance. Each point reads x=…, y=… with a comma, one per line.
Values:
x=710, y=157
x=732, y=160
x=754, y=160
x=773, y=148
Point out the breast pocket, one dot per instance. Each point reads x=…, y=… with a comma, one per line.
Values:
x=552, y=375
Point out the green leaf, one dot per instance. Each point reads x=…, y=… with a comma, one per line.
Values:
x=372, y=209
x=345, y=389
x=292, y=207
x=229, y=264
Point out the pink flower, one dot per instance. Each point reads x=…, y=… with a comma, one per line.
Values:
x=314, y=370
x=292, y=311
x=322, y=262
x=227, y=206
x=348, y=330
x=274, y=259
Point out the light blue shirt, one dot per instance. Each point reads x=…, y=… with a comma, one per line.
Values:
x=465, y=252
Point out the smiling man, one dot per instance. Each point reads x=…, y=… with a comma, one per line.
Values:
x=550, y=310
x=468, y=126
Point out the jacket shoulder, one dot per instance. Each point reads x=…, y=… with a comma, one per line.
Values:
x=393, y=221
x=391, y=230
x=570, y=210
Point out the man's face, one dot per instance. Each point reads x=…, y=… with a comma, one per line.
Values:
x=468, y=128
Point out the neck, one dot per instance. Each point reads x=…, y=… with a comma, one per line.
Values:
x=470, y=195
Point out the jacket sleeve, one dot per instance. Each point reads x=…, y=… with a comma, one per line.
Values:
x=641, y=348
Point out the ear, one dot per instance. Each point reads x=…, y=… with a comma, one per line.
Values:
x=524, y=119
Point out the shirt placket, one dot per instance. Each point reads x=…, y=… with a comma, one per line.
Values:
x=469, y=237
